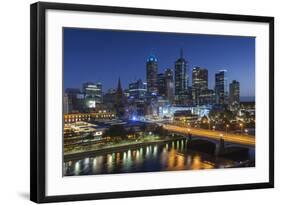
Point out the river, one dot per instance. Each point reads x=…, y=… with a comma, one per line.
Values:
x=161, y=157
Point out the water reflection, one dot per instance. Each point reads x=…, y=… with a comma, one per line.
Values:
x=164, y=157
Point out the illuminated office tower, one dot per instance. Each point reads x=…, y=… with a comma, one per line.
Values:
x=169, y=85
x=93, y=94
x=234, y=95
x=221, y=87
x=151, y=75
x=161, y=84
x=181, y=80
x=199, y=83
x=137, y=90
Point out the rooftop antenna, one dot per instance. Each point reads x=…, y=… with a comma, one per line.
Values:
x=119, y=87
x=152, y=51
x=181, y=53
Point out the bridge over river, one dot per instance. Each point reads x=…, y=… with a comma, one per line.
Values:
x=244, y=140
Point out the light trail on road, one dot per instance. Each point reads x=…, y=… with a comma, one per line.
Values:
x=228, y=137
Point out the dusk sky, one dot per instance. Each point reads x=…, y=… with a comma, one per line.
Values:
x=92, y=55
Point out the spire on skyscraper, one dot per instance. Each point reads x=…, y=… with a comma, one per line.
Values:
x=181, y=53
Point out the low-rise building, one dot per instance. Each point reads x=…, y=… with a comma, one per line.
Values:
x=80, y=128
x=185, y=117
x=98, y=115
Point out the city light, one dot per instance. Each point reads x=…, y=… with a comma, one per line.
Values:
x=177, y=117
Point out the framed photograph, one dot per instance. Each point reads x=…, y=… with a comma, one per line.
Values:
x=129, y=102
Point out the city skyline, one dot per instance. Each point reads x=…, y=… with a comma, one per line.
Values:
x=134, y=100
x=94, y=67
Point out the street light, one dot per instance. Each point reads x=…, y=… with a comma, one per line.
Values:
x=241, y=127
x=227, y=126
x=221, y=136
x=214, y=127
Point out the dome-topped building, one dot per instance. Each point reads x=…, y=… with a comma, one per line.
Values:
x=151, y=58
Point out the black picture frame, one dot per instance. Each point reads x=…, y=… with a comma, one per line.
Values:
x=38, y=101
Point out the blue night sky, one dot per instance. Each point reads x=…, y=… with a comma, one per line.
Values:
x=104, y=55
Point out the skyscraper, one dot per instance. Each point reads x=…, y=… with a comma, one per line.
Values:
x=75, y=100
x=169, y=85
x=137, y=90
x=234, y=94
x=161, y=84
x=221, y=87
x=93, y=94
x=151, y=74
x=207, y=97
x=199, y=83
x=181, y=79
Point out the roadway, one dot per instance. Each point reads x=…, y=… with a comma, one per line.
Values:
x=228, y=137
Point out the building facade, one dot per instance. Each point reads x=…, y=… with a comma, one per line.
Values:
x=65, y=104
x=199, y=83
x=221, y=87
x=207, y=97
x=234, y=95
x=161, y=84
x=185, y=117
x=181, y=80
x=109, y=98
x=169, y=85
x=151, y=75
x=75, y=100
x=98, y=115
x=93, y=94
x=137, y=90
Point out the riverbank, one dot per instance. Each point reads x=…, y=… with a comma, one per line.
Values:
x=117, y=148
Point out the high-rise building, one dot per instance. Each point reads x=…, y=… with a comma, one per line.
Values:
x=161, y=84
x=109, y=99
x=65, y=104
x=221, y=87
x=199, y=83
x=169, y=85
x=207, y=97
x=234, y=94
x=93, y=94
x=75, y=100
x=127, y=92
x=151, y=74
x=137, y=90
x=181, y=79
x=137, y=99
x=165, y=83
